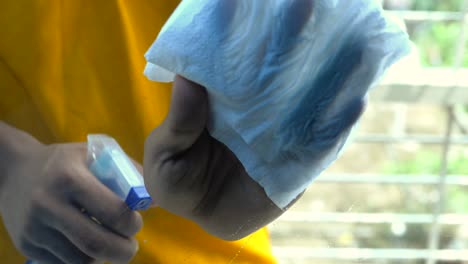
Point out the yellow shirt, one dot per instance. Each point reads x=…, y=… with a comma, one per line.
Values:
x=73, y=67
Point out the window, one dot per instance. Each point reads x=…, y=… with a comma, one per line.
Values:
x=399, y=193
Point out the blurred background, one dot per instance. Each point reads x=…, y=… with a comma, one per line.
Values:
x=399, y=193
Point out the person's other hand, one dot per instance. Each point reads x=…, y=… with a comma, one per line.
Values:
x=191, y=174
x=42, y=203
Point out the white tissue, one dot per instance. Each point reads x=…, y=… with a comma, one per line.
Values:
x=285, y=86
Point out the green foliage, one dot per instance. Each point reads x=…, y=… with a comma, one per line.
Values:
x=416, y=235
x=437, y=44
x=429, y=163
x=437, y=5
x=437, y=40
x=459, y=165
x=422, y=163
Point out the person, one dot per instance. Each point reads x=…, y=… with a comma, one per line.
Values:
x=71, y=68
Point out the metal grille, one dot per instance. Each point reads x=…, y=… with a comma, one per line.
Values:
x=446, y=87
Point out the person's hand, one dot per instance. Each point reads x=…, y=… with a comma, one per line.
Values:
x=42, y=201
x=191, y=174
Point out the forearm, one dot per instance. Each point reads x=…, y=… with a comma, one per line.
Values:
x=13, y=143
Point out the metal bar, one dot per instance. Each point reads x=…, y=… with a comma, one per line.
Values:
x=436, y=219
x=367, y=253
x=460, y=119
x=423, y=139
x=457, y=180
x=370, y=218
x=439, y=207
x=461, y=47
x=424, y=85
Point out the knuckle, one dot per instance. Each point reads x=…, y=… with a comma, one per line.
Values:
x=62, y=167
x=95, y=247
x=152, y=138
x=138, y=223
x=119, y=211
x=174, y=173
x=117, y=216
x=40, y=207
x=135, y=223
x=131, y=252
x=58, y=153
x=64, y=178
x=129, y=223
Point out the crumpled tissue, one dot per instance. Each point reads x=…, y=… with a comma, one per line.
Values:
x=287, y=79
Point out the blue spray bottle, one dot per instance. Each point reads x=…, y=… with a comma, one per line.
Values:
x=109, y=163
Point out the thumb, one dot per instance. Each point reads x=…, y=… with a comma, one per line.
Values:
x=187, y=116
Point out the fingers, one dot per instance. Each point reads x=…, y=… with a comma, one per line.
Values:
x=77, y=236
x=294, y=17
x=326, y=135
x=297, y=13
x=183, y=126
x=224, y=12
x=105, y=206
x=178, y=185
x=60, y=247
x=185, y=122
x=93, y=239
x=40, y=255
x=306, y=116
